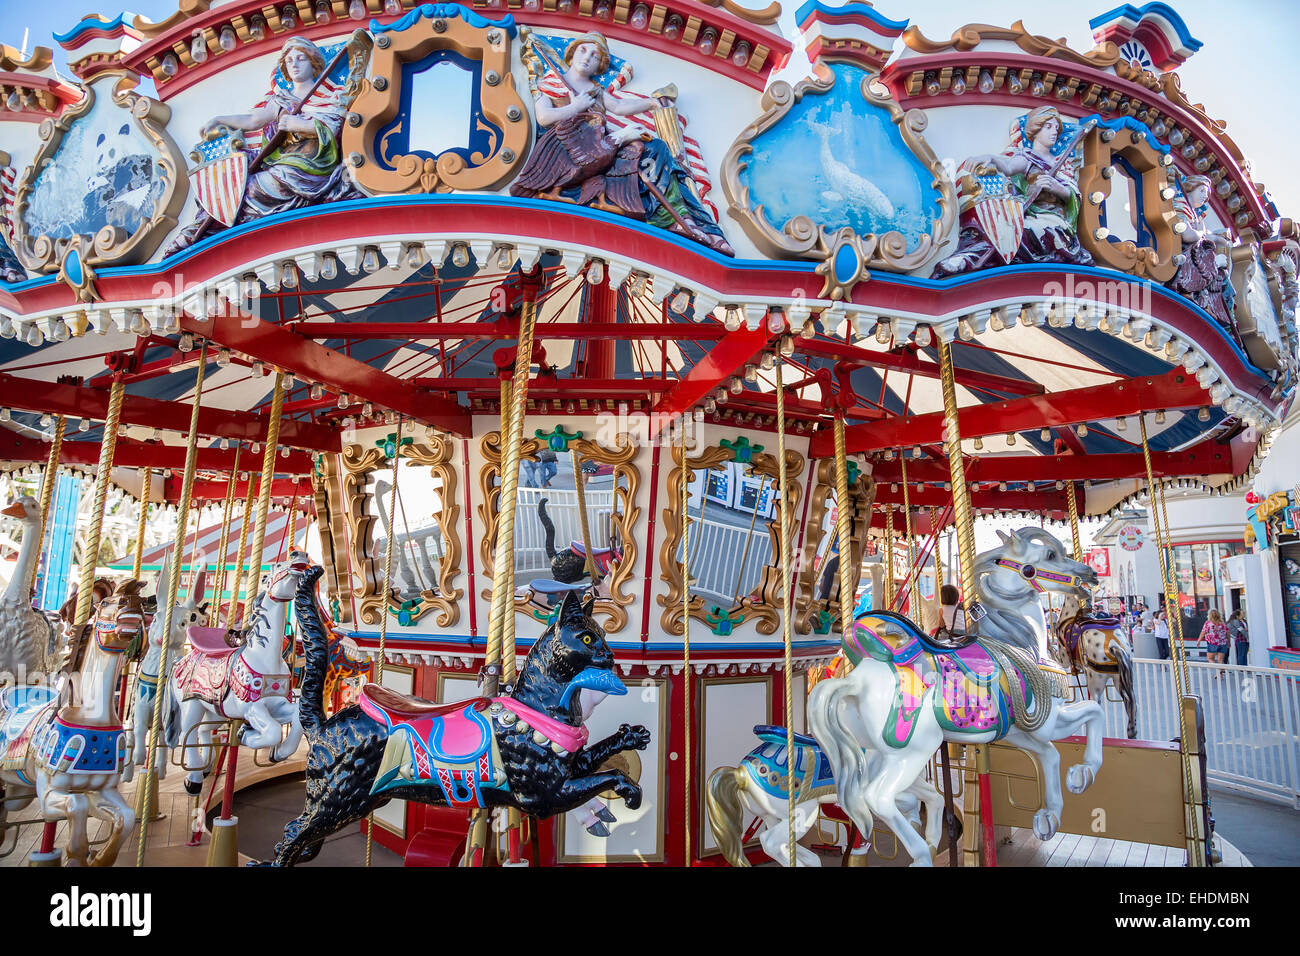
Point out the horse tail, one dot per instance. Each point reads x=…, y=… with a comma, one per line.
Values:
x=1124, y=678
x=548, y=526
x=725, y=815
x=826, y=719
x=315, y=642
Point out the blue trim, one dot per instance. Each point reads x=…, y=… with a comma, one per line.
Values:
x=87, y=25
x=432, y=10
x=858, y=9
x=1131, y=124
x=1131, y=12
x=524, y=644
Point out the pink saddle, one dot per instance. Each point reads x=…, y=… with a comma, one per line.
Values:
x=403, y=708
x=209, y=641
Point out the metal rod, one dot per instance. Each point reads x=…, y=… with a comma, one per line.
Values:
x=264, y=492
x=686, y=476
x=48, y=480
x=843, y=528
x=787, y=629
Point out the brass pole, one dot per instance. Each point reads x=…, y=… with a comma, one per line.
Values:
x=241, y=556
x=957, y=476
x=146, y=490
x=48, y=481
x=264, y=492
x=1073, y=505
x=938, y=566
x=384, y=596
x=914, y=573
x=787, y=630
x=182, y=516
x=889, y=557
x=227, y=513
x=90, y=556
x=843, y=528
x=687, y=474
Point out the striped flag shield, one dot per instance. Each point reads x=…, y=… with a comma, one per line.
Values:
x=219, y=179
x=987, y=196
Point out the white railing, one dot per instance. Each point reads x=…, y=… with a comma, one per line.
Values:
x=562, y=509
x=716, y=553
x=1252, y=715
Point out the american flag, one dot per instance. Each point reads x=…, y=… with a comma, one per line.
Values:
x=1000, y=213
x=554, y=87
x=220, y=178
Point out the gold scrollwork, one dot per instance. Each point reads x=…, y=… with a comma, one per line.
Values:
x=973, y=34
x=863, y=493
x=111, y=245
x=764, y=612
x=358, y=464
x=380, y=102
x=1154, y=262
x=627, y=481
x=802, y=237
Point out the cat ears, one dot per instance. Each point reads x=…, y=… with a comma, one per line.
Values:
x=573, y=609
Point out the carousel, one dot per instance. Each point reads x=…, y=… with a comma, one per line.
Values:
x=680, y=386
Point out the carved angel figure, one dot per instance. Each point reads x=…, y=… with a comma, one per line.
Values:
x=1202, y=275
x=591, y=155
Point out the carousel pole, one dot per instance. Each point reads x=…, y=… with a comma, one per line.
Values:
x=512, y=426
x=383, y=604
x=264, y=492
x=241, y=556
x=843, y=528
x=1178, y=665
x=914, y=573
x=146, y=491
x=514, y=821
x=579, y=482
x=938, y=565
x=889, y=556
x=48, y=480
x=788, y=624
x=687, y=475
x=975, y=807
x=1073, y=505
x=228, y=510
x=148, y=784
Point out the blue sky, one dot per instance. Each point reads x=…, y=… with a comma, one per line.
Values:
x=1240, y=73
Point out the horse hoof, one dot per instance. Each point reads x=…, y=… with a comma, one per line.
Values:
x=1079, y=778
x=605, y=813
x=1045, y=824
x=598, y=829
x=193, y=787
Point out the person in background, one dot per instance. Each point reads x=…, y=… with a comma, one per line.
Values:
x=951, y=614
x=1240, y=636
x=1215, y=634
x=1161, y=630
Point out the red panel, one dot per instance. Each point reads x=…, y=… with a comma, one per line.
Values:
x=1207, y=458
x=136, y=454
x=722, y=361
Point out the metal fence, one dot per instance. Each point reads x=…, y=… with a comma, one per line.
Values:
x=1251, y=719
x=562, y=509
x=717, y=550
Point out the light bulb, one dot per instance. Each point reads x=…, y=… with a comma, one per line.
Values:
x=367, y=409
x=505, y=259
x=732, y=320
x=986, y=82
x=882, y=332
x=170, y=66
x=1081, y=431
x=736, y=386
x=603, y=10
x=370, y=261
x=1036, y=87
x=84, y=425
x=979, y=444
x=1160, y=417
x=317, y=392
x=596, y=272
x=565, y=6
x=186, y=342
x=284, y=451
x=323, y=14
x=14, y=101
x=344, y=400
x=392, y=7
x=357, y=10
x=708, y=42
x=47, y=420
x=958, y=85
x=740, y=55
x=289, y=276
x=415, y=257
x=329, y=267
x=931, y=85
x=258, y=369
x=198, y=48
x=775, y=321
x=257, y=28
x=1203, y=415
x=787, y=346
x=257, y=448
x=680, y=302
x=751, y=374
x=710, y=406
x=224, y=444
x=1002, y=486
x=672, y=29
x=1121, y=424
x=223, y=358
x=460, y=255
x=640, y=18
x=1013, y=83
x=289, y=18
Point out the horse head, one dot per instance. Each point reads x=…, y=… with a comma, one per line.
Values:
x=570, y=668
x=1042, y=562
x=119, y=619
x=282, y=579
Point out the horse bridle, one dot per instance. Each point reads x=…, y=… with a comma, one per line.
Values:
x=289, y=568
x=1033, y=575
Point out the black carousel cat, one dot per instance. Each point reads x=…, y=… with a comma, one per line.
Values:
x=525, y=750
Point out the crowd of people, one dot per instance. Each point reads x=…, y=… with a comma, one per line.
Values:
x=1219, y=635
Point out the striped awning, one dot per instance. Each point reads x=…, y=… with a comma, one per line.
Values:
x=274, y=549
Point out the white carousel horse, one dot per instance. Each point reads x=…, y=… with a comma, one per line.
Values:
x=71, y=758
x=251, y=681
x=185, y=615
x=1098, y=649
x=906, y=695
x=28, y=642
x=759, y=788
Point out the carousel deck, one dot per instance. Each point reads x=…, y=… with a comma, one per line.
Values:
x=167, y=836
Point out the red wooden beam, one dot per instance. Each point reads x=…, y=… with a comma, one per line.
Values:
x=412, y=331
x=731, y=353
x=1037, y=502
x=1175, y=389
x=904, y=361
x=88, y=401
x=1206, y=458
x=216, y=490
x=137, y=454
x=295, y=353
x=546, y=386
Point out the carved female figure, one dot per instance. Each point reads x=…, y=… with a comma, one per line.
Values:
x=589, y=156
x=1045, y=181
x=305, y=169
x=1202, y=275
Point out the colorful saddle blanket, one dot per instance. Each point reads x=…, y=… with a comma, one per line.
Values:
x=205, y=677
x=1112, y=627
x=64, y=747
x=23, y=711
x=974, y=693
x=768, y=766
x=451, y=748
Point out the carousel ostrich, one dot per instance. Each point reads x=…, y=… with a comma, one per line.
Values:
x=28, y=644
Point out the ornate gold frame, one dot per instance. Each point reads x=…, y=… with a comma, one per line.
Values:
x=1158, y=213
x=380, y=101
x=358, y=462
x=767, y=616
x=802, y=237
x=333, y=535
x=624, y=517
x=109, y=246
x=863, y=492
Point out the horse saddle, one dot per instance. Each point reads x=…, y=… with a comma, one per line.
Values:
x=768, y=765
x=210, y=641
x=65, y=746
x=22, y=710
x=447, y=746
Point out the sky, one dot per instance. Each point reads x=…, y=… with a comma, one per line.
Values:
x=1238, y=74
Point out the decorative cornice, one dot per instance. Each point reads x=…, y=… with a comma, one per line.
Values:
x=40, y=60
x=973, y=34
